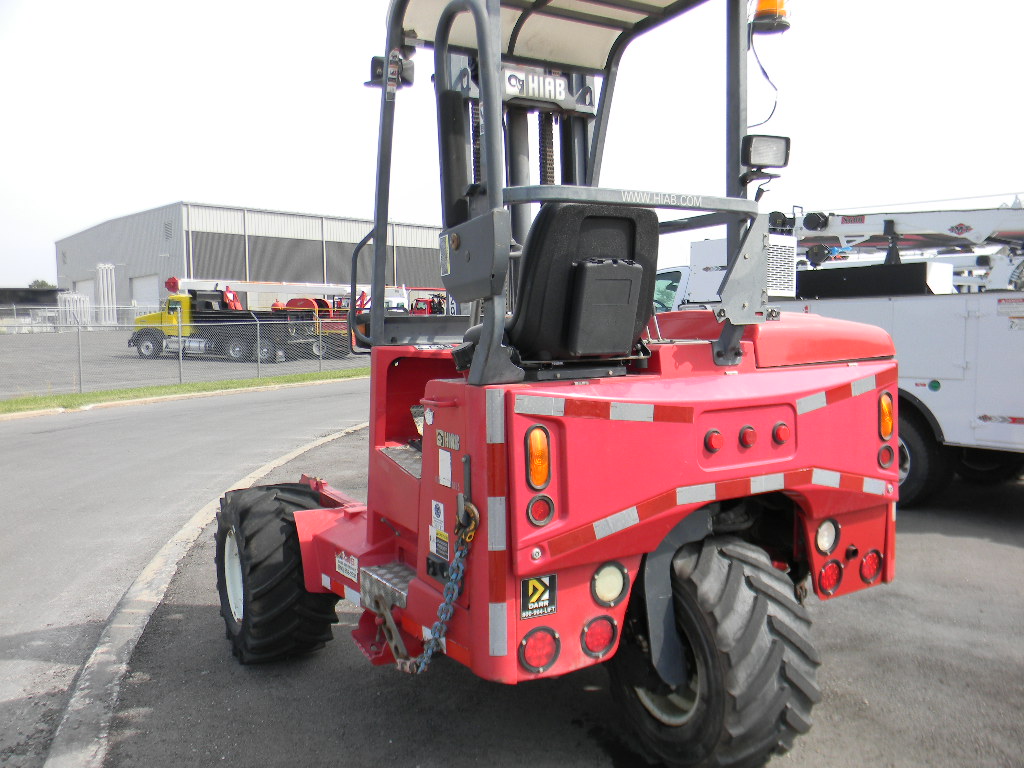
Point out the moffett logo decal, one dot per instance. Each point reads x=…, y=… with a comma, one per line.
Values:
x=960, y=229
x=540, y=597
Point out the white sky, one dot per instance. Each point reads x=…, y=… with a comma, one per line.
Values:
x=110, y=107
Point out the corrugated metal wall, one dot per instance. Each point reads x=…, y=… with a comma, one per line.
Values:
x=298, y=247
x=146, y=243
x=225, y=243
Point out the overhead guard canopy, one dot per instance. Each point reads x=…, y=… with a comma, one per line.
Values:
x=572, y=34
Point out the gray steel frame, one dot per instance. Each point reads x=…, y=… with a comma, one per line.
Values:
x=742, y=290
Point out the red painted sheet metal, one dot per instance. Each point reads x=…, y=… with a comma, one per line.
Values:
x=797, y=338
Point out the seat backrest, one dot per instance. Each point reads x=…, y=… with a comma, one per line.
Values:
x=587, y=282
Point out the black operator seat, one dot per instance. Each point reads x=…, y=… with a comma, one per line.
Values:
x=587, y=284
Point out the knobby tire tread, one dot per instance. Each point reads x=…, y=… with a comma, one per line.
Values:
x=763, y=657
x=280, y=618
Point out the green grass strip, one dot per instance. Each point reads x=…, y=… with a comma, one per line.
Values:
x=75, y=400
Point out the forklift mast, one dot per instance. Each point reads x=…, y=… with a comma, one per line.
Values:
x=495, y=63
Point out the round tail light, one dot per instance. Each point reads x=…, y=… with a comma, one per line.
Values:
x=538, y=651
x=871, y=566
x=829, y=577
x=598, y=636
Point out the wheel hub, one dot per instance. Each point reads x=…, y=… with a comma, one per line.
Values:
x=904, y=462
x=233, y=577
x=676, y=706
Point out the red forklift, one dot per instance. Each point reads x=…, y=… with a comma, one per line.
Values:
x=571, y=480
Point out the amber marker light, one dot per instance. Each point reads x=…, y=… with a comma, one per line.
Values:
x=886, y=422
x=538, y=457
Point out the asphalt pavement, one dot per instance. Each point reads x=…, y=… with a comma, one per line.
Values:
x=94, y=498
x=926, y=671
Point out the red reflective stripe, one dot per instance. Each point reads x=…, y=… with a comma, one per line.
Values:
x=732, y=489
x=580, y=408
x=842, y=392
x=798, y=477
x=587, y=409
x=497, y=470
x=497, y=564
x=679, y=414
x=567, y=542
x=886, y=378
x=661, y=503
x=851, y=482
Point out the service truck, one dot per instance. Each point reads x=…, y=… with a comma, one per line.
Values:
x=570, y=482
x=948, y=286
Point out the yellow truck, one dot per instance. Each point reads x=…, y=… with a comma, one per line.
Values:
x=214, y=323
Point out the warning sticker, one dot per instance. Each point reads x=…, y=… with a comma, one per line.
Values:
x=540, y=596
x=439, y=543
x=347, y=566
x=1011, y=307
x=437, y=514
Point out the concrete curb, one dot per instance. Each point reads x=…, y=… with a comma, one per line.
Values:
x=81, y=737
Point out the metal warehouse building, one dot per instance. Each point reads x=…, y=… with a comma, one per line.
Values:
x=127, y=260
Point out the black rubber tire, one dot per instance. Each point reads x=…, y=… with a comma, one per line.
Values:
x=926, y=467
x=150, y=345
x=984, y=467
x=237, y=349
x=268, y=351
x=751, y=660
x=279, y=618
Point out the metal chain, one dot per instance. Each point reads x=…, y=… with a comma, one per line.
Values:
x=456, y=573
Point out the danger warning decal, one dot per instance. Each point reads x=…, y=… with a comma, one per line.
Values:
x=540, y=596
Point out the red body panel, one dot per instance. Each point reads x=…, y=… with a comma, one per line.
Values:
x=629, y=461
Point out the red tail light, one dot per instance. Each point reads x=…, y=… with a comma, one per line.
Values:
x=871, y=566
x=829, y=577
x=538, y=651
x=598, y=636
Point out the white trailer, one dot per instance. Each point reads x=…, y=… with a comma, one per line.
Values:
x=948, y=286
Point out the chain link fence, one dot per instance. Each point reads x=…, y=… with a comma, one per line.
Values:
x=42, y=356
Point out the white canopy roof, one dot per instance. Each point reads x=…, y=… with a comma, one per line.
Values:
x=577, y=34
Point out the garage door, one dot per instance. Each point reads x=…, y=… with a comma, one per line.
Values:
x=146, y=291
x=87, y=288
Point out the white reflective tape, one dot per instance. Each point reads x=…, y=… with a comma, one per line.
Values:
x=875, y=486
x=534, y=405
x=631, y=412
x=496, y=524
x=695, y=494
x=767, y=483
x=427, y=634
x=497, y=628
x=615, y=523
x=811, y=402
x=444, y=468
x=825, y=477
x=353, y=596
x=861, y=386
x=325, y=581
x=495, y=416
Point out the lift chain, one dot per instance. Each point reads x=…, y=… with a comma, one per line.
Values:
x=465, y=531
